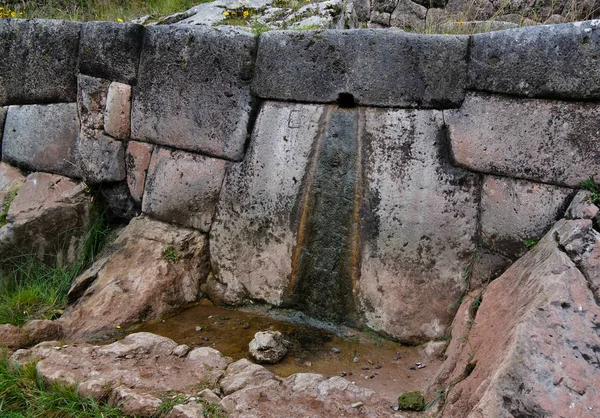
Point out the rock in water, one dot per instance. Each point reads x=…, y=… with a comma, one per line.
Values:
x=268, y=347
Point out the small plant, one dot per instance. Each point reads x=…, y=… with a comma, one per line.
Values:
x=5, y=206
x=8, y=13
x=170, y=400
x=591, y=186
x=530, y=243
x=170, y=254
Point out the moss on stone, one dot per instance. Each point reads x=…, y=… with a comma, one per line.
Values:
x=411, y=401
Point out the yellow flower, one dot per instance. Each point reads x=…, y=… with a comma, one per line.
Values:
x=120, y=20
x=245, y=14
x=233, y=13
x=118, y=326
x=461, y=23
x=225, y=13
x=13, y=14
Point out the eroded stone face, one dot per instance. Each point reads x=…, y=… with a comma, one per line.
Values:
x=515, y=212
x=183, y=188
x=42, y=138
x=117, y=115
x=137, y=161
x=419, y=225
x=257, y=218
x=540, y=140
x=200, y=99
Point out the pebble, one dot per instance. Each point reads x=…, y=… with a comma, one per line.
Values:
x=357, y=404
x=308, y=364
x=336, y=350
x=356, y=360
x=246, y=326
x=198, y=329
x=378, y=366
x=343, y=374
x=205, y=338
x=396, y=408
x=397, y=357
x=413, y=367
x=365, y=368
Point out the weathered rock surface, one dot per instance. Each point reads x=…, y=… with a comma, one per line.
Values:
x=133, y=370
x=12, y=336
x=42, y=138
x=118, y=202
x=43, y=330
x=183, y=188
x=558, y=61
x=409, y=15
x=49, y=216
x=137, y=161
x=582, y=207
x=111, y=50
x=533, y=345
x=117, y=116
x=3, y=111
x=39, y=61
x=303, y=394
x=383, y=68
x=11, y=180
x=258, y=204
x=128, y=284
x=419, y=225
x=540, y=140
x=201, y=99
x=516, y=211
x=268, y=347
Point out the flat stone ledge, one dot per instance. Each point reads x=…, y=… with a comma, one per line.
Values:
x=39, y=61
x=111, y=50
x=553, y=61
x=193, y=91
x=379, y=68
x=541, y=140
x=42, y=138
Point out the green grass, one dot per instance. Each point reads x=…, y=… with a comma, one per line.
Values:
x=170, y=254
x=591, y=186
x=5, y=205
x=33, y=289
x=109, y=10
x=23, y=394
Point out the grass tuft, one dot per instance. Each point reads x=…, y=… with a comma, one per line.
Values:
x=33, y=289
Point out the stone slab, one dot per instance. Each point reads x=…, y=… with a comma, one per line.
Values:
x=42, y=138
x=380, y=68
x=111, y=50
x=257, y=219
x=554, y=61
x=137, y=161
x=117, y=115
x=515, y=211
x=200, y=99
x=419, y=225
x=183, y=188
x=100, y=158
x=547, y=141
x=39, y=61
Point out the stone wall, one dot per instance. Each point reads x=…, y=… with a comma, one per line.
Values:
x=362, y=176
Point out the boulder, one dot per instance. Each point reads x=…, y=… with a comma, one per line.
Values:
x=117, y=116
x=409, y=15
x=111, y=50
x=137, y=161
x=43, y=330
x=12, y=336
x=255, y=218
x=540, y=140
x=127, y=284
x=268, y=347
x=42, y=138
x=11, y=180
x=201, y=99
x=419, y=220
x=379, y=68
x=188, y=410
x=557, y=61
x=242, y=374
x=49, y=217
x=39, y=62
x=516, y=213
x=582, y=207
x=133, y=403
x=532, y=348
x=183, y=188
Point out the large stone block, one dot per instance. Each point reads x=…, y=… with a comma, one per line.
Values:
x=111, y=50
x=200, y=99
x=137, y=161
x=557, y=61
x=42, y=138
x=548, y=141
x=420, y=222
x=381, y=68
x=39, y=61
x=117, y=115
x=257, y=219
x=183, y=188
x=515, y=211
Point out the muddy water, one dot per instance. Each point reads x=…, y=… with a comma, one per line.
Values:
x=366, y=359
